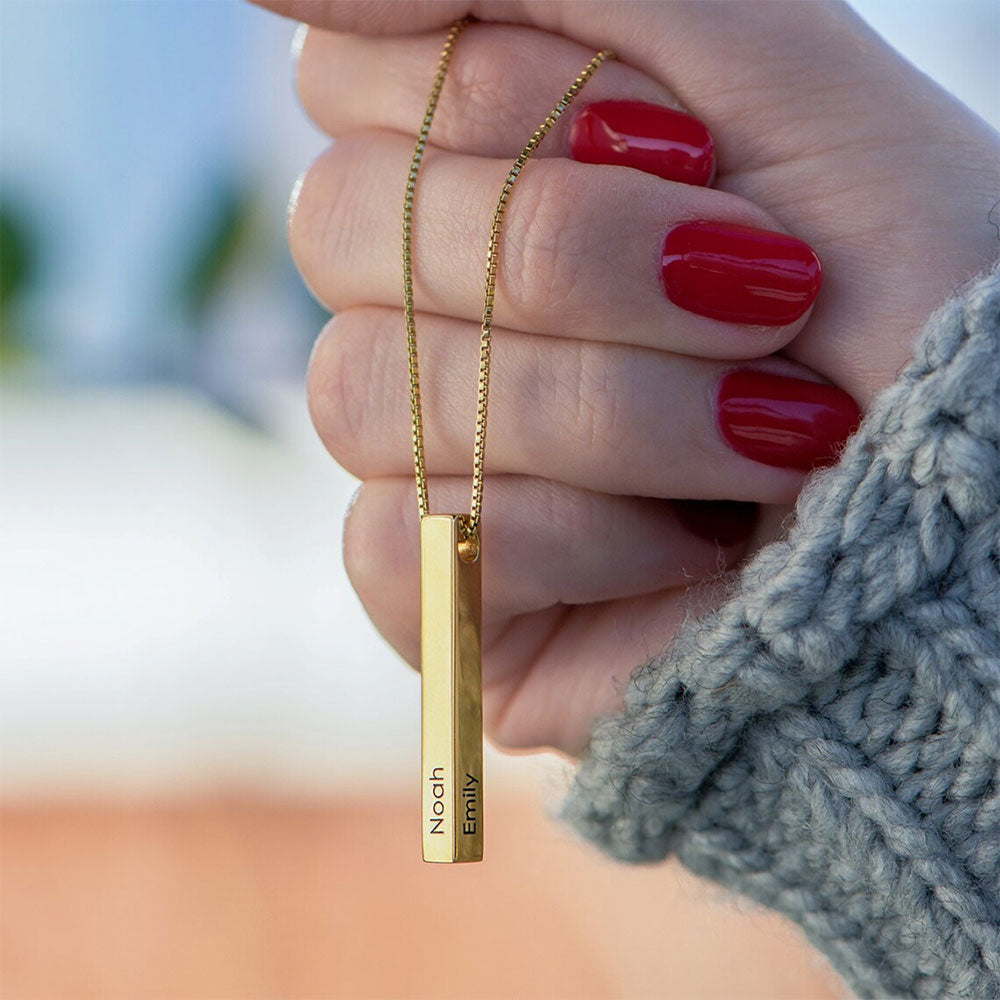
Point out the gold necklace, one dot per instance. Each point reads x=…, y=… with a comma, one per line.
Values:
x=450, y=549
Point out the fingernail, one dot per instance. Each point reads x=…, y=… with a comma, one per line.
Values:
x=738, y=273
x=649, y=137
x=787, y=422
x=724, y=521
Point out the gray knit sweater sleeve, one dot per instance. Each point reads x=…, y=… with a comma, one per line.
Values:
x=828, y=741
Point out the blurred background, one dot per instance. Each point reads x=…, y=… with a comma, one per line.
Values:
x=208, y=754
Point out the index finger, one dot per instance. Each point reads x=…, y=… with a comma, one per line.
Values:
x=348, y=83
x=741, y=68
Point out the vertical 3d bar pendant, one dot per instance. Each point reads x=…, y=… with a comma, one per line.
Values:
x=451, y=694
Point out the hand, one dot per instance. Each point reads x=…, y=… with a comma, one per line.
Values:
x=610, y=396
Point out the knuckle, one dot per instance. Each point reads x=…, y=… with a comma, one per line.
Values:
x=504, y=720
x=483, y=67
x=371, y=539
x=379, y=549
x=356, y=542
x=547, y=240
x=307, y=67
x=589, y=395
x=326, y=221
x=581, y=515
x=341, y=385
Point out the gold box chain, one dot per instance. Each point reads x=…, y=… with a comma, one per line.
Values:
x=469, y=526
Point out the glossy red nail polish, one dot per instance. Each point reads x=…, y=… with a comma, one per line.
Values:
x=723, y=521
x=788, y=422
x=738, y=273
x=649, y=137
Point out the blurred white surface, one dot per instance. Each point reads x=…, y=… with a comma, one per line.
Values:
x=175, y=599
x=177, y=614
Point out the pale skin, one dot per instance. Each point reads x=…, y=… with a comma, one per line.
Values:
x=601, y=407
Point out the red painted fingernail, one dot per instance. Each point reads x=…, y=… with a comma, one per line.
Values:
x=649, y=137
x=788, y=422
x=738, y=273
x=724, y=521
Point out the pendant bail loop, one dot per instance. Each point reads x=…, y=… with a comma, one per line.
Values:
x=468, y=542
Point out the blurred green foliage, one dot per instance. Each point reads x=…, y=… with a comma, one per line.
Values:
x=18, y=269
x=219, y=234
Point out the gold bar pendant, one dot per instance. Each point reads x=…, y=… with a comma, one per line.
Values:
x=451, y=694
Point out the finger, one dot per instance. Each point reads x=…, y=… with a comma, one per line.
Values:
x=768, y=46
x=558, y=670
x=548, y=543
x=818, y=98
x=551, y=673
x=349, y=83
x=546, y=547
x=603, y=417
x=587, y=251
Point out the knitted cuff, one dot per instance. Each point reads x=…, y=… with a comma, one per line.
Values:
x=828, y=741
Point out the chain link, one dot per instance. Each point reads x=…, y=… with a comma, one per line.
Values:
x=469, y=524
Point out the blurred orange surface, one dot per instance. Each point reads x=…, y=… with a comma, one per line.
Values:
x=251, y=899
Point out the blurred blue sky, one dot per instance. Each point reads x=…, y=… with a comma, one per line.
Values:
x=120, y=121
x=955, y=42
